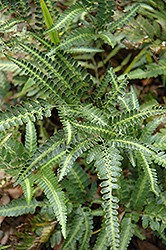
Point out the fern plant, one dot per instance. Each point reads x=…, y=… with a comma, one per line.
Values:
x=103, y=130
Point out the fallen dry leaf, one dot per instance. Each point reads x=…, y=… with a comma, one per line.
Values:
x=14, y=192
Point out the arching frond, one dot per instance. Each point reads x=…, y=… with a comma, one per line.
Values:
x=124, y=19
x=126, y=233
x=151, y=174
x=102, y=241
x=46, y=155
x=72, y=155
x=88, y=226
x=80, y=35
x=25, y=112
x=19, y=207
x=138, y=196
x=75, y=232
x=53, y=191
x=68, y=15
x=78, y=177
x=149, y=129
x=132, y=117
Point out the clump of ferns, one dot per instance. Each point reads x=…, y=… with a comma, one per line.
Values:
x=103, y=127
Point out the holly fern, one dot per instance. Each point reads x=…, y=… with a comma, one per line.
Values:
x=103, y=131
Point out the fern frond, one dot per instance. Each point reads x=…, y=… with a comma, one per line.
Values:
x=133, y=144
x=91, y=129
x=59, y=78
x=88, y=227
x=107, y=37
x=25, y=112
x=140, y=191
x=102, y=241
x=126, y=233
x=104, y=13
x=30, y=138
x=123, y=194
x=27, y=186
x=109, y=77
x=124, y=19
x=145, y=25
x=47, y=155
x=92, y=114
x=45, y=83
x=47, y=232
x=80, y=35
x=107, y=164
x=152, y=70
x=4, y=138
x=44, y=42
x=53, y=191
x=133, y=117
x=149, y=129
x=76, y=231
x=6, y=65
x=72, y=155
x=118, y=88
x=76, y=184
x=145, y=162
x=160, y=159
x=72, y=12
x=154, y=214
x=19, y=207
x=9, y=24
x=78, y=177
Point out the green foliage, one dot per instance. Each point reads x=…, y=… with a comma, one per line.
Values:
x=48, y=182
x=147, y=33
x=101, y=132
x=18, y=207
